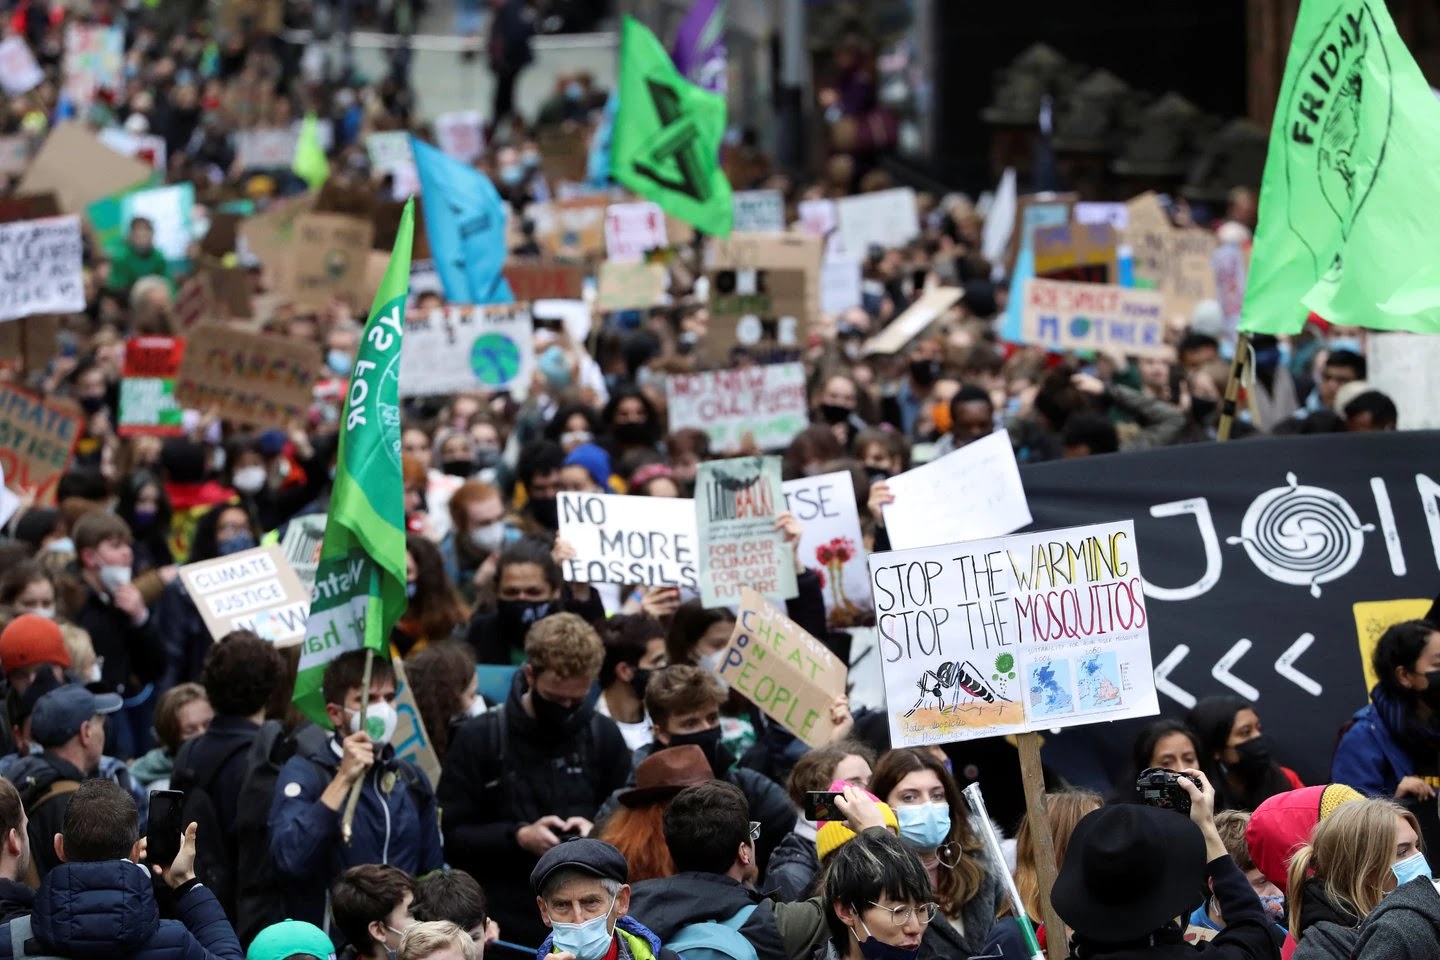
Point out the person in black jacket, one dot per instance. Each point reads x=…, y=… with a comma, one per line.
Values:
x=241, y=672
x=16, y=897
x=114, y=614
x=69, y=723
x=684, y=704
x=1132, y=869
x=520, y=779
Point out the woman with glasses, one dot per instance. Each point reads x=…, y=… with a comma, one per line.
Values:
x=935, y=826
x=878, y=901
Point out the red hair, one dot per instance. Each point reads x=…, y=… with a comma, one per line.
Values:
x=639, y=834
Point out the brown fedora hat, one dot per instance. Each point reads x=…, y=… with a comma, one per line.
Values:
x=665, y=773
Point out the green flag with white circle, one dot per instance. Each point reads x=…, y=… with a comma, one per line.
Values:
x=360, y=580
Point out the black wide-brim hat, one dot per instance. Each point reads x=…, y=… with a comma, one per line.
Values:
x=1129, y=870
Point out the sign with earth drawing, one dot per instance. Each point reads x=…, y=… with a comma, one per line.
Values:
x=460, y=349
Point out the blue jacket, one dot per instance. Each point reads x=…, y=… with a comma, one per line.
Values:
x=396, y=826
x=108, y=909
x=1369, y=758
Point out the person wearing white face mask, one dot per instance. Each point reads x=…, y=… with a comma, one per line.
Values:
x=396, y=821
x=477, y=534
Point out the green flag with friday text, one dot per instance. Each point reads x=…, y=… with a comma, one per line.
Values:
x=360, y=581
x=665, y=143
x=1348, y=226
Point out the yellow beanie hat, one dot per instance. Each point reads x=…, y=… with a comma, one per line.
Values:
x=834, y=834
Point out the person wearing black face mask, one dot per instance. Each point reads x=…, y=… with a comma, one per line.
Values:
x=520, y=779
x=528, y=588
x=878, y=900
x=634, y=650
x=633, y=422
x=539, y=472
x=683, y=702
x=1237, y=753
x=1392, y=748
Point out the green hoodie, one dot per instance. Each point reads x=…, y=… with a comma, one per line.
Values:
x=127, y=266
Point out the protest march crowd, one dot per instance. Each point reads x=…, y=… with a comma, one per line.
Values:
x=332, y=621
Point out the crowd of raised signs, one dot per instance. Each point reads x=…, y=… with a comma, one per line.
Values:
x=181, y=311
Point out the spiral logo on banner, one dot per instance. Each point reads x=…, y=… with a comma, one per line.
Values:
x=1302, y=535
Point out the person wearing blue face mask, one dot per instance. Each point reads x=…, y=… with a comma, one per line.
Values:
x=935, y=826
x=583, y=894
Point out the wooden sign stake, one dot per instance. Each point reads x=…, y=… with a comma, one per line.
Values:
x=1033, y=778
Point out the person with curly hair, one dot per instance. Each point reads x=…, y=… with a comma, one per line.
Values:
x=445, y=684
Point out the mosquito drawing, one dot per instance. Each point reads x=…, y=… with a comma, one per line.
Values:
x=956, y=677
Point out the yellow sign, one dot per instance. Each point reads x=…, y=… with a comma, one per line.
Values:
x=1373, y=618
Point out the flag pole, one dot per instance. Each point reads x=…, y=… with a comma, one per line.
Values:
x=348, y=820
x=1232, y=388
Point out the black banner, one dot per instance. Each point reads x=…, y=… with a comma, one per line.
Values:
x=1259, y=558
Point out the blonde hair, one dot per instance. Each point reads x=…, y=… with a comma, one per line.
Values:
x=1350, y=853
x=1066, y=809
x=81, y=649
x=565, y=645
x=422, y=940
x=1231, y=824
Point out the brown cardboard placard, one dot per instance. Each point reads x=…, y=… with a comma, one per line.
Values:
x=564, y=151
x=927, y=308
x=220, y=238
x=1176, y=261
x=35, y=206
x=572, y=227
x=251, y=590
x=253, y=378
x=328, y=258
x=629, y=286
x=760, y=311
x=774, y=251
x=534, y=278
x=230, y=292
x=37, y=441
x=270, y=235
x=79, y=169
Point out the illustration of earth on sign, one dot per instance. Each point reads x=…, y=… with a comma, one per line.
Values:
x=1050, y=689
x=494, y=359
x=1099, y=682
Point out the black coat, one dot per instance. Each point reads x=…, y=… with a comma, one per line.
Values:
x=220, y=754
x=33, y=777
x=133, y=656
x=503, y=771
x=669, y=904
x=792, y=868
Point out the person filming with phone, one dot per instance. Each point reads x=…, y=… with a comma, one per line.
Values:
x=101, y=902
x=1132, y=869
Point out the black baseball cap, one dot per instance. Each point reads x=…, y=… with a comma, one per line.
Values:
x=590, y=856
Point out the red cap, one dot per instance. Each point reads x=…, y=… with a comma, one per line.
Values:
x=30, y=640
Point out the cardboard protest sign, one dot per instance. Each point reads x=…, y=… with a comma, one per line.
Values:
x=1075, y=252
x=467, y=348
x=37, y=441
x=329, y=259
x=94, y=61
x=461, y=134
x=629, y=286
x=832, y=543
x=1036, y=210
x=1062, y=316
x=230, y=292
x=1402, y=365
x=19, y=73
x=253, y=378
x=79, y=169
x=629, y=540
x=766, y=402
x=759, y=312
x=571, y=316
x=773, y=251
x=1015, y=634
x=574, y=227
x=147, y=388
x=35, y=206
x=791, y=676
x=537, y=279
x=30, y=343
x=758, y=211
x=41, y=267
x=840, y=285
x=927, y=308
x=1169, y=259
x=970, y=494
x=303, y=538
x=14, y=154
x=736, y=503
x=411, y=741
x=251, y=590
x=632, y=230
x=271, y=235
x=266, y=148
x=888, y=219
x=564, y=151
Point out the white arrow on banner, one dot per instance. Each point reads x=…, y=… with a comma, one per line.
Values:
x=1162, y=673
x=1285, y=666
x=1221, y=671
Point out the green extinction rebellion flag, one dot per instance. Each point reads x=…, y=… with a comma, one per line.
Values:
x=1348, y=208
x=665, y=145
x=360, y=581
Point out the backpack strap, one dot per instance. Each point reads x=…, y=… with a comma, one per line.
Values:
x=740, y=919
x=59, y=788
x=22, y=939
x=190, y=777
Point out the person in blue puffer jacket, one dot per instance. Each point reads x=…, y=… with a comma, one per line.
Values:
x=396, y=821
x=100, y=903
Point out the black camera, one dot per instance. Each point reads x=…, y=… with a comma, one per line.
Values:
x=1161, y=788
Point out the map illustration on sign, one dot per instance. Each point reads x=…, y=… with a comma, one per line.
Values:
x=1099, y=681
x=495, y=359
x=1049, y=684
